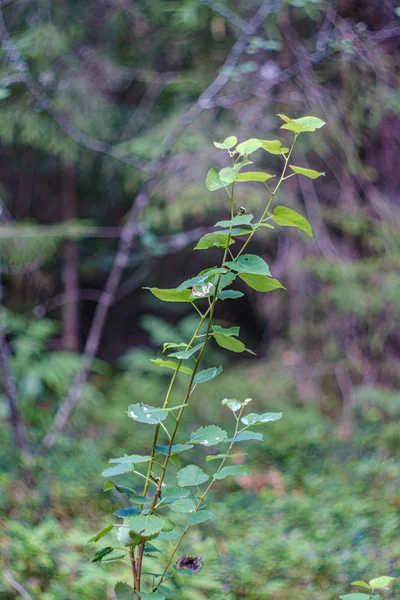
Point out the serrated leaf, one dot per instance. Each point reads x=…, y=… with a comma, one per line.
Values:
x=244, y=436
x=380, y=583
x=238, y=220
x=233, y=470
x=131, y=459
x=123, y=591
x=144, y=413
x=213, y=240
x=175, y=449
x=211, y=435
x=232, y=404
x=171, y=364
x=183, y=505
x=287, y=217
x=261, y=283
x=255, y=419
x=191, y=475
x=207, y=374
x=229, y=295
x=227, y=330
x=213, y=181
x=228, y=143
x=185, y=354
x=230, y=343
x=175, y=493
x=120, y=469
x=310, y=173
x=145, y=525
x=249, y=263
x=170, y=295
x=100, y=534
x=101, y=554
x=200, y=517
x=254, y=176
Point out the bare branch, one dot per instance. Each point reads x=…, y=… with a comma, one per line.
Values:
x=17, y=586
x=225, y=12
x=10, y=391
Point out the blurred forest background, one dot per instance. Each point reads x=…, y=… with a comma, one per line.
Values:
x=108, y=111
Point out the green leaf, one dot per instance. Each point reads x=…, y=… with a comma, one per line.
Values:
x=101, y=533
x=228, y=143
x=310, y=173
x=227, y=330
x=229, y=295
x=174, y=494
x=361, y=584
x=118, y=470
x=213, y=181
x=183, y=505
x=244, y=436
x=356, y=596
x=380, y=583
x=254, y=176
x=184, y=354
x=175, y=449
x=145, y=525
x=131, y=459
x=284, y=118
x=238, y=220
x=207, y=374
x=237, y=231
x=234, y=470
x=232, y=404
x=255, y=419
x=219, y=456
x=101, y=554
x=202, y=277
x=168, y=525
x=249, y=146
x=230, y=343
x=123, y=591
x=208, y=436
x=229, y=174
x=143, y=413
x=274, y=147
x=170, y=295
x=191, y=475
x=152, y=596
x=301, y=125
x=290, y=218
x=314, y=122
x=168, y=535
x=200, y=517
x=171, y=364
x=261, y=283
x=126, y=512
x=249, y=263
x=213, y=240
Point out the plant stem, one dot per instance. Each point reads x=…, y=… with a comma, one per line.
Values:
x=200, y=500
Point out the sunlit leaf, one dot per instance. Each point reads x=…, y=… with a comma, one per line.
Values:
x=100, y=534
x=261, y=283
x=213, y=181
x=227, y=330
x=230, y=343
x=183, y=505
x=171, y=364
x=287, y=217
x=185, y=354
x=254, y=176
x=213, y=240
x=170, y=295
x=118, y=470
x=380, y=583
x=361, y=584
x=245, y=436
x=228, y=143
x=145, y=525
x=132, y=459
x=232, y=404
x=310, y=173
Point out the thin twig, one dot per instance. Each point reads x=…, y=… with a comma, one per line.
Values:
x=17, y=586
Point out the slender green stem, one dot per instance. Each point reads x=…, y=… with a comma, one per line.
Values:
x=201, y=500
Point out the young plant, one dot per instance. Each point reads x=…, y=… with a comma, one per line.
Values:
x=151, y=514
x=371, y=590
